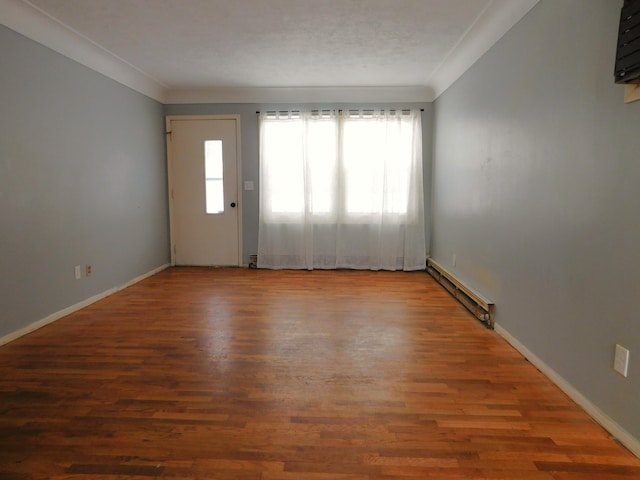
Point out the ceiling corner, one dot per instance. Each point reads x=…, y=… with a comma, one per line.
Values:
x=491, y=25
x=28, y=20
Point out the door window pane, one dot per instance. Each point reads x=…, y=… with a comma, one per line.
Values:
x=214, y=177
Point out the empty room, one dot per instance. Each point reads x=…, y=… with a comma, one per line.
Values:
x=320, y=239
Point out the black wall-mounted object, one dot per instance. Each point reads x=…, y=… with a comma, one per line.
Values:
x=627, y=68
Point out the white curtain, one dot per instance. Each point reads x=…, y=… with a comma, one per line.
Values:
x=341, y=190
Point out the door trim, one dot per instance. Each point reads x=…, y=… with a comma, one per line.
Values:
x=239, y=201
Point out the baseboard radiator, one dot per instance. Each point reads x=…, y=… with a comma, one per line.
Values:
x=481, y=307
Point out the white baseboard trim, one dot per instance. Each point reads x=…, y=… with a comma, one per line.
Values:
x=624, y=437
x=73, y=308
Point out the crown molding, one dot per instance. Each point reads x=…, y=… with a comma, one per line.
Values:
x=28, y=20
x=301, y=95
x=495, y=20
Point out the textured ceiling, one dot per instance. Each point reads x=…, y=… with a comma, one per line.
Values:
x=179, y=51
x=274, y=43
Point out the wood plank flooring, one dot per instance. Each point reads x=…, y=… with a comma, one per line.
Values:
x=284, y=375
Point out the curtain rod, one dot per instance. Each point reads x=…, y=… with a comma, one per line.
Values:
x=422, y=110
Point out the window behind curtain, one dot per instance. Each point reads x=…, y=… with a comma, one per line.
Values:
x=326, y=168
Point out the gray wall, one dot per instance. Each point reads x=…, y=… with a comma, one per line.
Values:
x=536, y=190
x=82, y=180
x=250, y=158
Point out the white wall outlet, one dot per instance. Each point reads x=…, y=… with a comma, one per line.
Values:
x=248, y=185
x=88, y=270
x=621, y=360
x=77, y=272
x=453, y=261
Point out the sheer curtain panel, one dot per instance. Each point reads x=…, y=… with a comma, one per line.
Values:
x=341, y=189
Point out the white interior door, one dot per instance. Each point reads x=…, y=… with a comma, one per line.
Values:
x=203, y=184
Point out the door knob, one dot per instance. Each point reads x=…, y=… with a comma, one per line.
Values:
x=233, y=204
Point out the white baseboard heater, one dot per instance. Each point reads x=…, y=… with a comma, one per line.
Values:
x=481, y=307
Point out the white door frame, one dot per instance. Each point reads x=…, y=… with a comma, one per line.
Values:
x=168, y=120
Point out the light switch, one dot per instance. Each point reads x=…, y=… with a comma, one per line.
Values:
x=248, y=185
x=621, y=360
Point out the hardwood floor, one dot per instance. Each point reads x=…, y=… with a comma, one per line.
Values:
x=280, y=375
